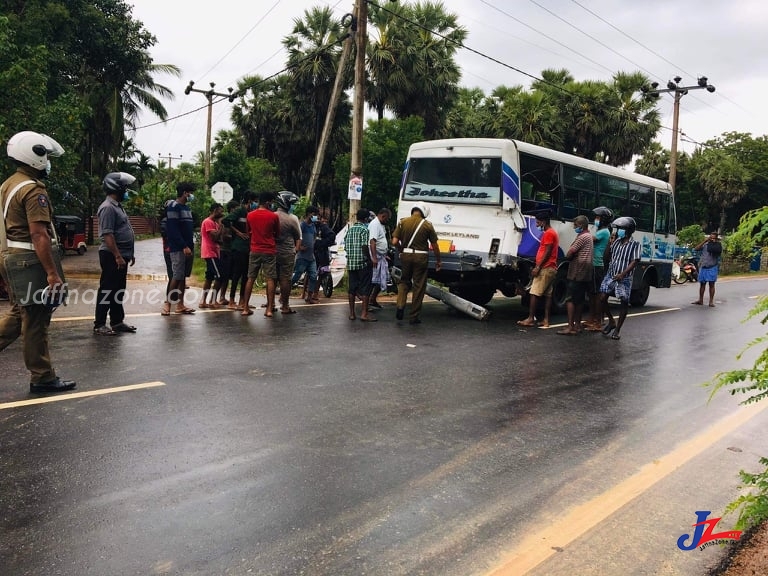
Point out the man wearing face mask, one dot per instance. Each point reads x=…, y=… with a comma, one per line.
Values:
x=181, y=239
x=579, y=274
x=115, y=255
x=600, y=238
x=625, y=254
x=305, y=259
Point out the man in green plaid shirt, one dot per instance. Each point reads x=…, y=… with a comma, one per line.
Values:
x=359, y=266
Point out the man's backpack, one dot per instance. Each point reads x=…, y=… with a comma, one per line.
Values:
x=162, y=215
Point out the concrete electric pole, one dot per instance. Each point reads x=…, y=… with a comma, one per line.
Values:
x=678, y=91
x=209, y=94
x=361, y=38
x=349, y=21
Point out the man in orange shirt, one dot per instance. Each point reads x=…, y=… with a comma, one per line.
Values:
x=544, y=271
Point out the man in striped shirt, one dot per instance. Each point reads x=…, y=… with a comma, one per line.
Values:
x=625, y=254
x=579, y=274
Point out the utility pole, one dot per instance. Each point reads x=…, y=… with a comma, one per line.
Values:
x=209, y=94
x=169, y=158
x=673, y=86
x=358, y=109
x=347, y=20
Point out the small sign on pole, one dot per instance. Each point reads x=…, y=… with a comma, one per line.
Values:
x=355, y=188
x=222, y=192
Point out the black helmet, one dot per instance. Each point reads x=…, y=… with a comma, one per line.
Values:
x=604, y=212
x=626, y=223
x=117, y=182
x=285, y=199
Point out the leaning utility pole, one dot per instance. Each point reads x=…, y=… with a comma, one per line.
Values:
x=361, y=37
x=330, y=115
x=209, y=94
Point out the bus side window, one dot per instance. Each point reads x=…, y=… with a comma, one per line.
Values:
x=579, y=194
x=614, y=194
x=539, y=183
x=641, y=206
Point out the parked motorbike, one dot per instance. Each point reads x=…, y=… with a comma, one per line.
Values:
x=685, y=270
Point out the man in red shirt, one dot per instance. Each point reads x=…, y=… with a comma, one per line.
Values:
x=544, y=272
x=264, y=227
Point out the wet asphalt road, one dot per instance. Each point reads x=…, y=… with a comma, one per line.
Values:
x=309, y=444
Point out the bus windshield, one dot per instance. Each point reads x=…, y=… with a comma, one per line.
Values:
x=454, y=180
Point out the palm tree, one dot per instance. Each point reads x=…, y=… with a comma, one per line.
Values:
x=630, y=123
x=427, y=61
x=410, y=62
x=386, y=77
x=724, y=179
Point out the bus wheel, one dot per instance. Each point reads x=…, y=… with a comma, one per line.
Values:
x=639, y=297
x=479, y=295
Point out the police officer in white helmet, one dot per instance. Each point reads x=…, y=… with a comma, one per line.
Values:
x=28, y=236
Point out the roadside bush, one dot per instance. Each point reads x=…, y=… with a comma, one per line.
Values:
x=738, y=247
x=753, y=506
x=690, y=236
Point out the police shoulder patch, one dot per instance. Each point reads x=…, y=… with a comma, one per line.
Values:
x=42, y=199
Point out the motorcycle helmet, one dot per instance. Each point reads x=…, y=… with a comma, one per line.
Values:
x=33, y=149
x=421, y=207
x=117, y=182
x=604, y=212
x=286, y=199
x=626, y=223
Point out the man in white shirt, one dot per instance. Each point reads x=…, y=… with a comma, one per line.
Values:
x=379, y=247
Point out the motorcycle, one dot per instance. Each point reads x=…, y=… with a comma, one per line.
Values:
x=685, y=270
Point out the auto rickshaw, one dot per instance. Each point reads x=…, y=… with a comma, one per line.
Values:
x=71, y=233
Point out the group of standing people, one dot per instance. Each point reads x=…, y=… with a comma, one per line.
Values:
x=367, y=250
x=588, y=272
x=260, y=234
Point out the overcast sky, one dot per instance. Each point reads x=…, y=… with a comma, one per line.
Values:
x=724, y=40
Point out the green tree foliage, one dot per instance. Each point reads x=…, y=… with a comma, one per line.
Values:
x=79, y=70
x=281, y=119
x=690, y=236
x=603, y=121
x=654, y=162
x=722, y=178
x=411, y=62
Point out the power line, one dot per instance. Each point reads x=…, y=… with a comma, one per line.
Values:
x=242, y=90
x=600, y=42
x=507, y=14
x=259, y=21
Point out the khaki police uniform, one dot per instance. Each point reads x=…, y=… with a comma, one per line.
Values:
x=414, y=260
x=29, y=204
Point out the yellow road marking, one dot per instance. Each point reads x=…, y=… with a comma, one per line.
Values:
x=74, y=395
x=536, y=548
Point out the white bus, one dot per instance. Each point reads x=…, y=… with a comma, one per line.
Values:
x=483, y=195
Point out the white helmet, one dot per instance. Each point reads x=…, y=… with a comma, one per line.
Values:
x=33, y=149
x=421, y=207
